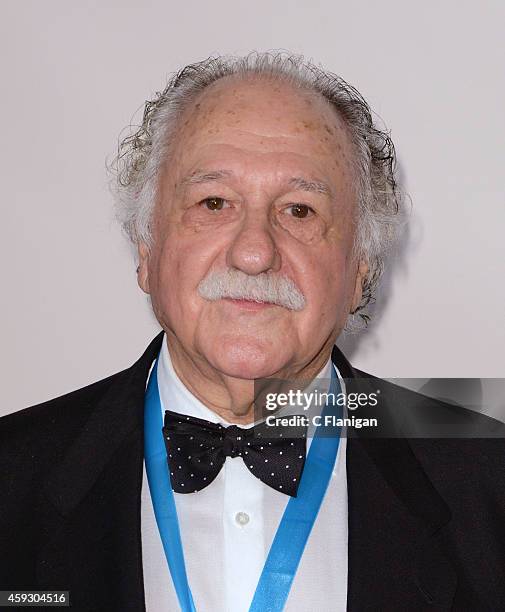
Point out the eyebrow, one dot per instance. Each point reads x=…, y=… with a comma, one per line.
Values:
x=200, y=176
x=296, y=182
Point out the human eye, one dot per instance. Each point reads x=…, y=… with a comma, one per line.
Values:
x=299, y=211
x=214, y=203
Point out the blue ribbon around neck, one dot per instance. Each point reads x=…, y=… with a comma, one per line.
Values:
x=296, y=524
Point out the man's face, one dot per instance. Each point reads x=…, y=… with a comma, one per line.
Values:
x=259, y=181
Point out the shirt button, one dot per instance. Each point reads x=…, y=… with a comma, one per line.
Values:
x=241, y=518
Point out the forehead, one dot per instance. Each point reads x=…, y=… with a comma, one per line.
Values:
x=264, y=121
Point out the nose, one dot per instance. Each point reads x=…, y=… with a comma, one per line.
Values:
x=253, y=249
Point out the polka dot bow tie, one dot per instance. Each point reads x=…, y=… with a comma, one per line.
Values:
x=197, y=450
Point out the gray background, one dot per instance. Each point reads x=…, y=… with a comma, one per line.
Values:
x=73, y=74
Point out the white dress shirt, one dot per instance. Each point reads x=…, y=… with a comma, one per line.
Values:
x=227, y=529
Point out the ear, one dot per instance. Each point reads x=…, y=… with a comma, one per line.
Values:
x=361, y=274
x=143, y=267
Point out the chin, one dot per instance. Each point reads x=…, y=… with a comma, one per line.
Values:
x=247, y=358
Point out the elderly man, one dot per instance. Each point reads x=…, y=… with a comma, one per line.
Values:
x=261, y=199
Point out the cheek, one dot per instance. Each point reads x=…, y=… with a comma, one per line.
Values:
x=169, y=291
x=327, y=288
x=180, y=266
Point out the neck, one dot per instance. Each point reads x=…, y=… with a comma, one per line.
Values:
x=233, y=399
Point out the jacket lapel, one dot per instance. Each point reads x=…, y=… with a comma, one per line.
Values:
x=90, y=502
x=395, y=514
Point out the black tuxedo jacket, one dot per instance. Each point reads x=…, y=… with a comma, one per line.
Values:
x=426, y=516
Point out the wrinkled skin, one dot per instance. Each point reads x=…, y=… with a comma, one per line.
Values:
x=243, y=143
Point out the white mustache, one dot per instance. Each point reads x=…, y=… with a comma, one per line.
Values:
x=264, y=287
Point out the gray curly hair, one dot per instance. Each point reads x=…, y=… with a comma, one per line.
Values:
x=141, y=154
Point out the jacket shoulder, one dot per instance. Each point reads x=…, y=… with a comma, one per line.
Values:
x=62, y=410
x=33, y=439
x=412, y=414
x=69, y=411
